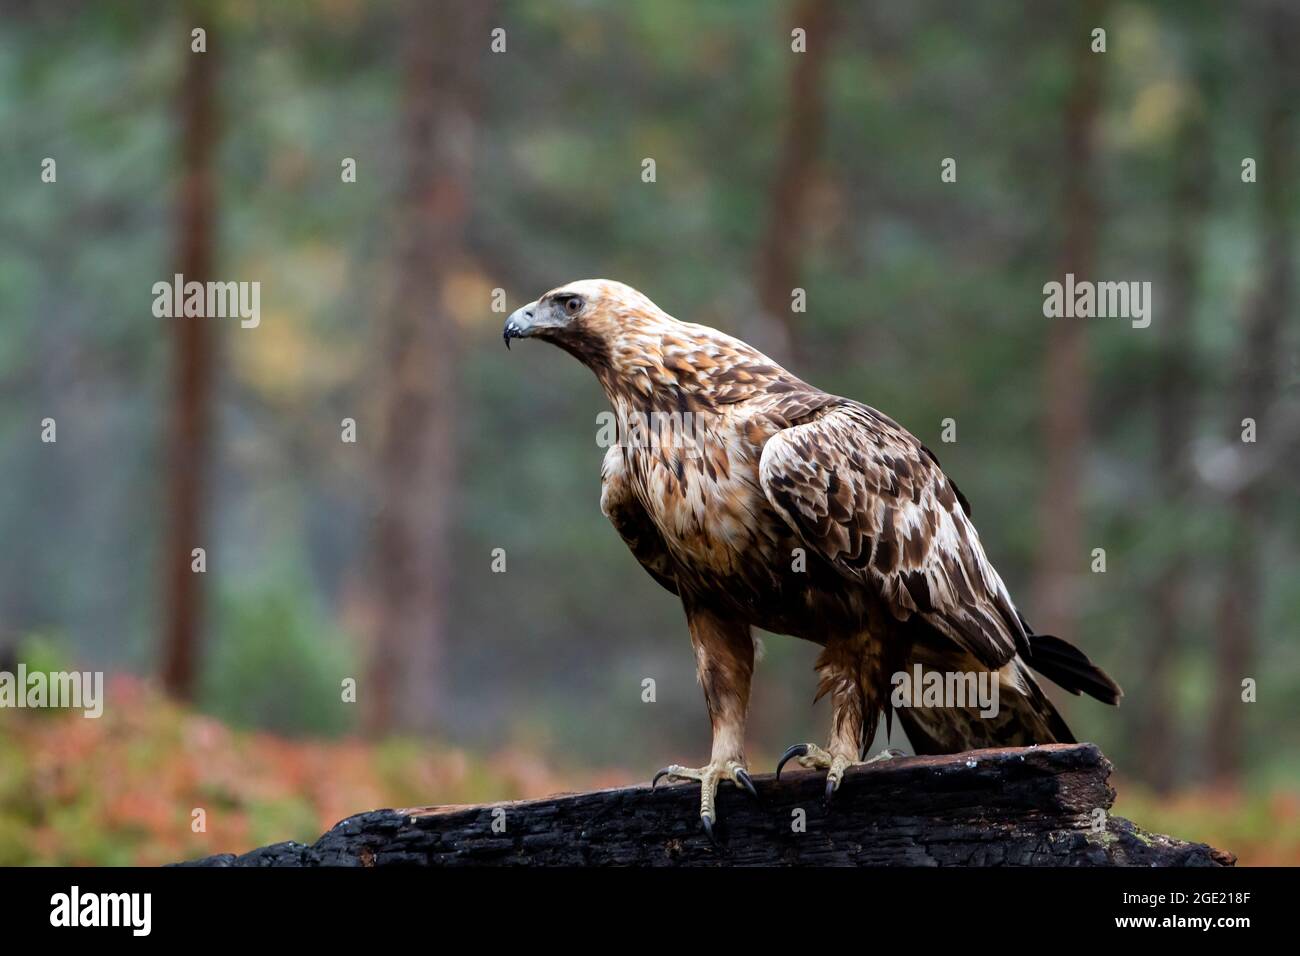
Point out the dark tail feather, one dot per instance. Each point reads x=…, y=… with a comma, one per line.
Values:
x=947, y=730
x=1024, y=717
x=1061, y=732
x=923, y=742
x=1065, y=664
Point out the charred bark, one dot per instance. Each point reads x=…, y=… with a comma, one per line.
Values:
x=1041, y=806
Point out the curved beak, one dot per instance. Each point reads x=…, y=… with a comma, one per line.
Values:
x=520, y=325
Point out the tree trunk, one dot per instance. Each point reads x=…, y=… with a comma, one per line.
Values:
x=1062, y=557
x=190, y=437
x=1258, y=377
x=787, y=217
x=411, y=569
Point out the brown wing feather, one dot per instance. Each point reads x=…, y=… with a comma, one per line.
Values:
x=866, y=496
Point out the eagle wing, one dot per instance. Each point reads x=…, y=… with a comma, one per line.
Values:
x=630, y=520
x=866, y=496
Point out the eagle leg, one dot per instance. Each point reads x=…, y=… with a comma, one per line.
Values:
x=849, y=674
x=724, y=657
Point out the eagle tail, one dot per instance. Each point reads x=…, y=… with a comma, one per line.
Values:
x=1023, y=715
x=1046, y=714
x=1026, y=722
x=1063, y=663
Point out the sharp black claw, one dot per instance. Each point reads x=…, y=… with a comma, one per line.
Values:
x=707, y=821
x=747, y=782
x=662, y=773
x=830, y=789
x=798, y=750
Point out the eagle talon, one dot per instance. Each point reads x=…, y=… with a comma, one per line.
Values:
x=815, y=758
x=665, y=772
x=709, y=777
x=808, y=756
x=798, y=750
x=744, y=779
x=834, y=778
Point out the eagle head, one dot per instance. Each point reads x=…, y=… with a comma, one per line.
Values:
x=587, y=318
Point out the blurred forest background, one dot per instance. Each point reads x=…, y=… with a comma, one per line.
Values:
x=519, y=170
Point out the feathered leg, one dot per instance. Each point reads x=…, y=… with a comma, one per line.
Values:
x=724, y=656
x=850, y=674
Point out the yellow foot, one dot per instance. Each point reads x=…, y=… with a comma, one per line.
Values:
x=709, y=778
x=813, y=757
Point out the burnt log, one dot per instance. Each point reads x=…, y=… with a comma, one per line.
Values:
x=1036, y=806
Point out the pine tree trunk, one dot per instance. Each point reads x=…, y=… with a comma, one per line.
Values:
x=412, y=560
x=787, y=217
x=190, y=435
x=1062, y=556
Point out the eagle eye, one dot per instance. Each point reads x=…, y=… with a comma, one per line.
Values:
x=572, y=305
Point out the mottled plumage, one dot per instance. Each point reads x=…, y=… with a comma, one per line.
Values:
x=762, y=501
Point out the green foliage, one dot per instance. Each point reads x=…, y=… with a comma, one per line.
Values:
x=277, y=665
x=43, y=652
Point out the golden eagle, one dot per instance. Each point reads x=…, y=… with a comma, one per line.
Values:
x=762, y=501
